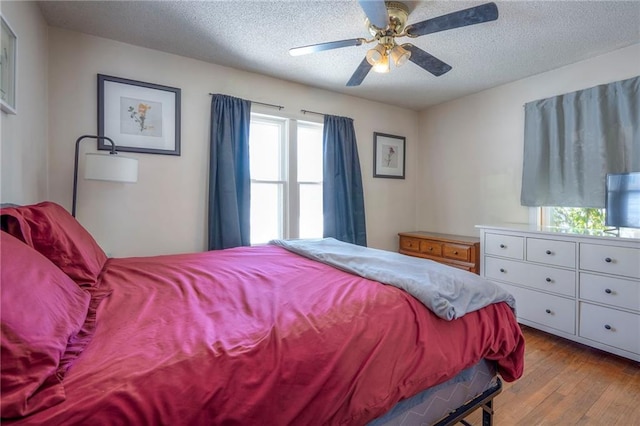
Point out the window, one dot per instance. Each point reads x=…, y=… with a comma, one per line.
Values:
x=573, y=217
x=286, y=178
x=309, y=177
x=566, y=152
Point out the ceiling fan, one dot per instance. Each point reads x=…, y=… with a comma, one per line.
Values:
x=386, y=21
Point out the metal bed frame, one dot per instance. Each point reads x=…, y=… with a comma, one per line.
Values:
x=484, y=401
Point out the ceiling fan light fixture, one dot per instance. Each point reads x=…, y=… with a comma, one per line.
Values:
x=386, y=21
x=382, y=66
x=400, y=55
x=377, y=54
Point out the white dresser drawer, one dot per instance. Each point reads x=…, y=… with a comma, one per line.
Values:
x=611, y=291
x=555, y=280
x=623, y=261
x=611, y=327
x=504, y=245
x=551, y=252
x=546, y=309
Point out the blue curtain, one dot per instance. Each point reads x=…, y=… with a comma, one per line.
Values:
x=229, y=181
x=343, y=198
x=573, y=140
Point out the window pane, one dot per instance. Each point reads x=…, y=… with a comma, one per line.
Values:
x=577, y=218
x=266, y=212
x=310, y=211
x=309, y=153
x=265, y=141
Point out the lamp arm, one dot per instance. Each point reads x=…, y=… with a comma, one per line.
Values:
x=75, y=165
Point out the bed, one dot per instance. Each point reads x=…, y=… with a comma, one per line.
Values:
x=250, y=335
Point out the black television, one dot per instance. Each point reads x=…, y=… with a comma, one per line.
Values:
x=623, y=200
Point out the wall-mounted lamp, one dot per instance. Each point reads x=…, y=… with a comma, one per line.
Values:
x=110, y=167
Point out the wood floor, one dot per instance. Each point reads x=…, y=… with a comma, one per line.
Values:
x=566, y=383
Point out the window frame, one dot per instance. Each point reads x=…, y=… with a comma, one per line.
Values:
x=290, y=214
x=295, y=208
x=282, y=124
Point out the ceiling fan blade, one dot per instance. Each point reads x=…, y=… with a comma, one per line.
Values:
x=303, y=50
x=360, y=73
x=474, y=15
x=423, y=59
x=376, y=11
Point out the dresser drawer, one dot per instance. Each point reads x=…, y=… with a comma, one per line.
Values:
x=453, y=250
x=611, y=327
x=411, y=244
x=624, y=261
x=551, y=252
x=469, y=267
x=458, y=252
x=432, y=248
x=560, y=281
x=504, y=245
x=611, y=291
x=545, y=309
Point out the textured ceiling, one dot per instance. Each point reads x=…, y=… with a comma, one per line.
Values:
x=528, y=38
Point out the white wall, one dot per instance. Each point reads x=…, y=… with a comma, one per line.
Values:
x=464, y=158
x=165, y=212
x=23, y=140
x=470, y=150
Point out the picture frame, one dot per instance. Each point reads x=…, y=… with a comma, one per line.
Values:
x=8, y=71
x=388, y=156
x=139, y=117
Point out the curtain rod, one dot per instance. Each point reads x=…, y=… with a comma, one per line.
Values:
x=305, y=111
x=280, y=107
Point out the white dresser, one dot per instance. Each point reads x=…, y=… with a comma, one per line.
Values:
x=584, y=287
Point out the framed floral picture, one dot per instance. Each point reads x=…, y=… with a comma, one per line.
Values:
x=8, y=52
x=388, y=156
x=138, y=116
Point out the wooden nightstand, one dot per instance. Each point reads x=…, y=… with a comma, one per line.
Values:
x=453, y=250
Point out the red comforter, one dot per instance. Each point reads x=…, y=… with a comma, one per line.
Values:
x=263, y=336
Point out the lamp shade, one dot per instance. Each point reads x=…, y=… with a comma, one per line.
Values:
x=382, y=66
x=377, y=54
x=400, y=55
x=110, y=167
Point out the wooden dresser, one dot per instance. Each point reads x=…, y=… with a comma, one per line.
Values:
x=453, y=250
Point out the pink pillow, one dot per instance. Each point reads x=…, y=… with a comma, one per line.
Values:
x=52, y=231
x=41, y=310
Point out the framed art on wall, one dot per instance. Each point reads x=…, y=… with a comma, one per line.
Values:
x=388, y=156
x=138, y=116
x=8, y=55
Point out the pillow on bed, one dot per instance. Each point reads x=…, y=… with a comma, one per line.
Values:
x=52, y=231
x=41, y=309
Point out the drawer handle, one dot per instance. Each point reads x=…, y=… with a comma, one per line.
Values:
x=548, y=279
x=430, y=248
x=607, y=326
x=548, y=251
x=607, y=259
x=503, y=246
x=502, y=270
x=608, y=291
x=455, y=252
x=548, y=311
